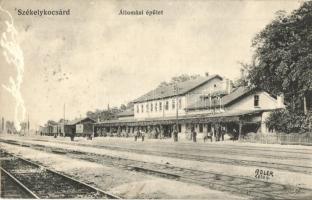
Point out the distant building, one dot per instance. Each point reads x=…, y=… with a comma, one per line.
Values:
x=79, y=127
x=50, y=128
x=2, y=125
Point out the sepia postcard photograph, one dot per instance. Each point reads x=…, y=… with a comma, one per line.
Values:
x=152, y=99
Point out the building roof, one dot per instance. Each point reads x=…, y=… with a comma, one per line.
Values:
x=225, y=100
x=80, y=120
x=169, y=91
x=126, y=113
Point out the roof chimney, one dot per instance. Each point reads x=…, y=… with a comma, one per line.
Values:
x=228, y=86
x=280, y=101
x=242, y=73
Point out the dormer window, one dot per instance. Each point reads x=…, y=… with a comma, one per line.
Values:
x=256, y=101
x=142, y=108
x=151, y=107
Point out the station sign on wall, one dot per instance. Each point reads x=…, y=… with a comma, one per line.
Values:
x=79, y=128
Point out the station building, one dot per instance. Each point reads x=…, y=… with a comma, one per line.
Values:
x=205, y=104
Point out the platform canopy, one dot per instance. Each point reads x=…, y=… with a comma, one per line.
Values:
x=234, y=116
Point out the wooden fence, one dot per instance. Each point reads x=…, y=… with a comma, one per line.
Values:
x=280, y=138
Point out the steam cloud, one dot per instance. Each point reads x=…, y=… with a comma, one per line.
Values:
x=14, y=56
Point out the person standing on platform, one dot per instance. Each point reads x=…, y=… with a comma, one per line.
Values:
x=175, y=134
x=136, y=134
x=219, y=133
x=143, y=135
x=210, y=134
x=222, y=133
x=194, y=134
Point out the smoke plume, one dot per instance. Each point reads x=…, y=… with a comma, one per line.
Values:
x=14, y=56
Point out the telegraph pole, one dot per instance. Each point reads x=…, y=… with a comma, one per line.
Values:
x=177, y=112
x=28, y=125
x=177, y=109
x=2, y=125
x=64, y=120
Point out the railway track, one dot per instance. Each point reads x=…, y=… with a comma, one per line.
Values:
x=216, y=159
x=11, y=188
x=254, y=188
x=184, y=156
x=242, y=150
x=228, y=149
x=39, y=182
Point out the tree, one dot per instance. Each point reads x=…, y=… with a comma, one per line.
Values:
x=242, y=80
x=91, y=115
x=130, y=105
x=10, y=127
x=123, y=107
x=23, y=126
x=107, y=114
x=62, y=121
x=179, y=79
x=283, y=57
x=51, y=122
x=288, y=122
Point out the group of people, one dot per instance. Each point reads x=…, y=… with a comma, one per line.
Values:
x=217, y=132
x=139, y=133
x=193, y=134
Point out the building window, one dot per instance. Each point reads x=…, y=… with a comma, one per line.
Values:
x=147, y=107
x=138, y=109
x=180, y=103
x=179, y=128
x=167, y=105
x=173, y=104
x=200, y=128
x=152, y=107
x=209, y=128
x=256, y=100
x=160, y=106
x=142, y=108
x=156, y=106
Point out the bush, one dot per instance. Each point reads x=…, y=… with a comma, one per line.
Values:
x=289, y=122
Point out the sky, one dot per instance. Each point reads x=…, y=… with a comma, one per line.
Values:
x=95, y=57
